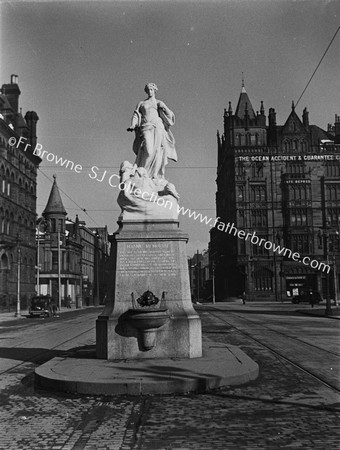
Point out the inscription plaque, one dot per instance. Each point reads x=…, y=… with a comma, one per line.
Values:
x=143, y=258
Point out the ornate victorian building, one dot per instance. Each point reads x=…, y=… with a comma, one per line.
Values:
x=71, y=257
x=281, y=182
x=59, y=252
x=18, y=188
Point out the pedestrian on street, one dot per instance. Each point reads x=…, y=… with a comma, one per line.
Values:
x=311, y=298
x=244, y=297
x=68, y=302
x=54, y=308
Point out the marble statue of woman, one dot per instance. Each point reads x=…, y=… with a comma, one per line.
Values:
x=154, y=143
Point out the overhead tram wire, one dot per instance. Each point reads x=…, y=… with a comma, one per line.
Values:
x=116, y=167
x=73, y=201
x=318, y=65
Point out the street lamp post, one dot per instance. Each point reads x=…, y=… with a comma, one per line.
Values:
x=336, y=289
x=39, y=222
x=38, y=261
x=18, y=311
x=213, y=283
x=335, y=272
x=59, y=273
x=328, y=311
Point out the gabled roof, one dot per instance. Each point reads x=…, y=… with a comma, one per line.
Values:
x=293, y=124
x=54, y=204
x=5, y=104
x=21, y=122
x=243, y=105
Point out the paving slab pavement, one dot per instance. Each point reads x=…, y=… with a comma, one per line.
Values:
x=221, y=365
x=283, y=408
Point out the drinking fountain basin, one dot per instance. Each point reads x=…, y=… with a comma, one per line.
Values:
x=148, y=321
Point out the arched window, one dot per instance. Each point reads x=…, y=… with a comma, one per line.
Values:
x=4, y=261
x=248, y=139
x=6, y=222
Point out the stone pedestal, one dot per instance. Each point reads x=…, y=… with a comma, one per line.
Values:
x=149, y=256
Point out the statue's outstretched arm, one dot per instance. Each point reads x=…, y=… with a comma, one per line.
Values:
x=136, y=119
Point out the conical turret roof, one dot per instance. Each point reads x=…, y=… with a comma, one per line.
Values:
x=244, y=105
x=54, y=204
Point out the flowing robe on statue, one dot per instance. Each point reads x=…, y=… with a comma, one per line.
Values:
x=154, y=143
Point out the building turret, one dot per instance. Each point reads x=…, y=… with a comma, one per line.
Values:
x=244, y=106
x=261, y=118
x=262, y=108
x=272, y=138
x=55, y=212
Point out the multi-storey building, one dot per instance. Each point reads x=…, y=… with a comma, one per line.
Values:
x=72, y=258
x=18, y=190
x=59, y=252
x=101, y=264
x=282, y=184
x=200, y=276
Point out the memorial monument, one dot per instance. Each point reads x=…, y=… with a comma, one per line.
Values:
x=148, y=337
x=149, y=313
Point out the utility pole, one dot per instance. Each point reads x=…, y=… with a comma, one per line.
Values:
x=39, y=222
x=38, y=260
x=59, y=270
x=198, y=279
x=328, y=311
x=18, y=311
x=97, y=249
x=336, y=290
x=335, y=271
x=213, y=283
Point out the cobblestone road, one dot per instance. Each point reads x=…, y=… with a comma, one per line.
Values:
x=283, y=408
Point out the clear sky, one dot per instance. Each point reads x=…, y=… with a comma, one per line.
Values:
x=82, y=67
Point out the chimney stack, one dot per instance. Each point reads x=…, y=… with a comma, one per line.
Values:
x=12, y=93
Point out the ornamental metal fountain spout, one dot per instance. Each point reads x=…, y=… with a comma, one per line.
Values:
x=148, y=319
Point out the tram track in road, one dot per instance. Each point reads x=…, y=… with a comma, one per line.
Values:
x=334, y=386
x=284, y=334
x=41, y=355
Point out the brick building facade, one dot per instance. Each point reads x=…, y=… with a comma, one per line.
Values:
x=71, y=257
x=18, y=191
x=281, y=182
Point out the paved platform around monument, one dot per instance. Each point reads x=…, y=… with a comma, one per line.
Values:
x=221, y=365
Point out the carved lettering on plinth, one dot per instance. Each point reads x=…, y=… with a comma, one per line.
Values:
x=143, y=258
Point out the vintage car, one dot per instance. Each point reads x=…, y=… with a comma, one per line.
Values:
x=42, y=305
x=308, y=297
